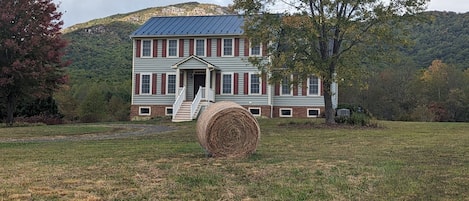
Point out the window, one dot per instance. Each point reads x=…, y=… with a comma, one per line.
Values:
x=286, y=112
x=145, y=111
x=255, y=111
x=200, y=47
x=255, y=50
x=313, y=86
x=227, y=83
x=172, y=48
x=169, y=111
x=254, y=84
x=228, y=47
x=145, y=85
x=313, y=113
x=146, y=48
x=286, y=87
x=171, y=83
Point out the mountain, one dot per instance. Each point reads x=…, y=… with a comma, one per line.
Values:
x=101, y=50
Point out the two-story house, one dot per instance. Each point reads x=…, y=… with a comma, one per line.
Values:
x=181, y=64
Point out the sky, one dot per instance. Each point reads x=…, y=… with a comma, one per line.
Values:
x=79, y=11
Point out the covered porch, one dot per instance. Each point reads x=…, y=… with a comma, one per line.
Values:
x=197, y=80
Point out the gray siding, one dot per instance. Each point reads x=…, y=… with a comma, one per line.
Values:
x=238, y=65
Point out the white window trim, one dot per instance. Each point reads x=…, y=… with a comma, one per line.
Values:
x=167, y=83
x=144, y=107
x=205, y=47
x=319, y=86
x=260, y=84
x=141, y=84
x=232, y=83
x=291, y=88
x=177, y=48
x=250, y=50
x=166, y=111
x=151, y=49
x=309, y=109
x=255, y=108
x=280, y=112
x=223, y=47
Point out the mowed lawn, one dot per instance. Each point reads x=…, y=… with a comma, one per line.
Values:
x=296, y=160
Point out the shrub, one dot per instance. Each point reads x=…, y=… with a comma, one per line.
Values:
x=358, y=116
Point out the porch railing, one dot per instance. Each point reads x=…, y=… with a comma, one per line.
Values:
x=179, y=99
x=210, y=96
x=196, y=101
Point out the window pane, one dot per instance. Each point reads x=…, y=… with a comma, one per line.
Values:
x=144, y=111
x=313, y=113
x=145, y=84
x=227, y=47
x=256, y=50
x=172, y=48
x=200, y=47
x=286, y=86
x=255, y=84
x=227, y=83
x=285, y=112
x=313, y=85
x=146, y=48
x=171, y=84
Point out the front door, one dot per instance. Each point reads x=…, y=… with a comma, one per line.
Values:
x=199, y=80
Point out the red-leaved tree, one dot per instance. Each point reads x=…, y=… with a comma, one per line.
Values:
x=31, y=50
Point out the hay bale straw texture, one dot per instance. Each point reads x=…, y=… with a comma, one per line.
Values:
x=226, y=129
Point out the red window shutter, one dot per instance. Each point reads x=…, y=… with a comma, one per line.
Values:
x=322, y=88
x=236, y=83
x=139, y=48
x=264, y=84
x=155, y=48
x=191, y=47
x=246, y=83
x=217, y=83
x=219, y=47
x=209, y=47
x=264, y=49
x=137, y=83
x=181, y=47
x=163, y=48
x=295, y=90
x=236, y=45
x=163, y=83
x=246, y=47
x=153, y=83
x=277, y=89
x=304, y=87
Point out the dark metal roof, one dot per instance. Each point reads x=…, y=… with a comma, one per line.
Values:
x=191, y=26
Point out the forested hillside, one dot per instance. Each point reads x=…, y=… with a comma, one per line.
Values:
x=442, y=35
x=101, y=55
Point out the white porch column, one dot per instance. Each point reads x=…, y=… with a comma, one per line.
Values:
x=177, y=82
x=207, y=83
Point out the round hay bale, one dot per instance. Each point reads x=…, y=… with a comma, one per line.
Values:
x=226, y=129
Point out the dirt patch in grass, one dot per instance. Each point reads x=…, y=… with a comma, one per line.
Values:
x=117, y=131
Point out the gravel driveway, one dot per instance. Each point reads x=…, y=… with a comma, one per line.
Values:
x=131, y=130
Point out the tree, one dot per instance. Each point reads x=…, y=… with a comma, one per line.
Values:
x=31, y=49
x=322, y=37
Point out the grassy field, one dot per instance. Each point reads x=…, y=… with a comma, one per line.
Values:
x=296, y=160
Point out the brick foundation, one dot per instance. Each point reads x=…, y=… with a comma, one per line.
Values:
x=160, y=111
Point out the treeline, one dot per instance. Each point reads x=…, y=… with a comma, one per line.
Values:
x=439, y=92
x=429, y=81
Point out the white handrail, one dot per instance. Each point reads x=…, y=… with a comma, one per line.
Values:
x=179, y=99
x=196, y=101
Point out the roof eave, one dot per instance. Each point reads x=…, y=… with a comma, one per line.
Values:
x=187, y=35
